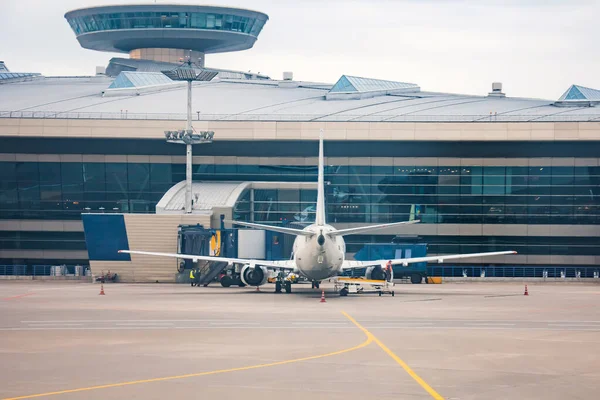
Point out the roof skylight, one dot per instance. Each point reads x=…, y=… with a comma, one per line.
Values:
x=356, y=84
x=127, y=79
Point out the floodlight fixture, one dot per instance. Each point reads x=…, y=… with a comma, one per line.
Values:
x=189, y=72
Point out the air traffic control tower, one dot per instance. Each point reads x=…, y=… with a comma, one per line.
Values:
x=166, y=32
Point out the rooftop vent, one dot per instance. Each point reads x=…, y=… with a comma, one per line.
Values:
x=496, y=90
x=288, y=76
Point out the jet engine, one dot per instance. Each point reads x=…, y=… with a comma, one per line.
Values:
x=377, y=273
x=254, y=276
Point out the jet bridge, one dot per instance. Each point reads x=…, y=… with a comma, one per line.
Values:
x=235, y=243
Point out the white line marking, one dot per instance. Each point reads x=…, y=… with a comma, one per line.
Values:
x=404, y=323
x=160, y=320
x=145, y=324
x=141, y=328
x=119, y=328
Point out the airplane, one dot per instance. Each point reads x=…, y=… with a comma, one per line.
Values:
x=318, y=251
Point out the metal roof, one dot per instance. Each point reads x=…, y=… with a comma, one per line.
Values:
x=205, y=195
x=269, y=100
x=208, y=195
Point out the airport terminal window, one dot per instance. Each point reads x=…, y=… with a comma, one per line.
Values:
x=525, y=245
x=183, y=20
x=27, y=240
x=446, y=194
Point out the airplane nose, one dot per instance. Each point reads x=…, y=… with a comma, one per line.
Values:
x=321, y=240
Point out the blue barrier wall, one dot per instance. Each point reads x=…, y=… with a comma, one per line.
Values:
x=105, y=235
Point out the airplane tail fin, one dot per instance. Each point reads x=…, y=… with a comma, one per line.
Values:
x=320, y=215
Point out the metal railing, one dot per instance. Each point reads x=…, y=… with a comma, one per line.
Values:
x=42, y=270
x=125, y=114
x=550, y=272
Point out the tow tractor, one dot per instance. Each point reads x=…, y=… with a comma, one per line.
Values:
x=283, y=281
x=347, y=285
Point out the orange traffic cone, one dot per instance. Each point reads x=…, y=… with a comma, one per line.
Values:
x=526, y=292
x=323, y=297
x=101, y=289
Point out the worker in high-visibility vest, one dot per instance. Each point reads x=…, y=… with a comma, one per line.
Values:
x=192, y=277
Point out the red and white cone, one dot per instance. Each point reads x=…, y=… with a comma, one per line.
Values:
x=101, y=289
x=323, y=297
x=526, y=292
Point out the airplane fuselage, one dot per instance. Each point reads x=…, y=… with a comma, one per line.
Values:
x=319, y=256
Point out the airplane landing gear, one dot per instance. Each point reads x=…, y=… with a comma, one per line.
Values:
x=315, y=284
x=288, y=287
x=278, y=287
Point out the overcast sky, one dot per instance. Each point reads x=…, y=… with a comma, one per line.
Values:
x=537, y=48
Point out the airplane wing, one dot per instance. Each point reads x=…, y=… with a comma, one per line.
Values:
x=405, y=261
x=284, y=264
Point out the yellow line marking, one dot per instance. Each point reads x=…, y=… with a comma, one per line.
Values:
x=390, y=353
x=367, y=342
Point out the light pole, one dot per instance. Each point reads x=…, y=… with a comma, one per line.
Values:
x=189, y=72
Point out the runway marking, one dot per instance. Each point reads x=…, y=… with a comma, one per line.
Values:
x=141, y=328
x=415, y=301
x=18, y=296
x=390, y=353
x=368, y=341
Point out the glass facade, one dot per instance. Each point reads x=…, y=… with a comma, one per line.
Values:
x=36, y=240
x=524, y=245
x=179, y=20
x=360, y=194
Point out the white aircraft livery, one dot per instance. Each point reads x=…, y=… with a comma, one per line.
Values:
x=318, y=251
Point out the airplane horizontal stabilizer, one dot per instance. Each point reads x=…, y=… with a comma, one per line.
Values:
x=361, y=229
x=280, y=229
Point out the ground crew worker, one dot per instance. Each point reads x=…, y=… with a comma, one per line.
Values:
x=388, y=271
x=192, y=277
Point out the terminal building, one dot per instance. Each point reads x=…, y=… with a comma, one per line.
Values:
x=486, y=172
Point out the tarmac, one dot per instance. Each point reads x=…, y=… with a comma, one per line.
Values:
x=62, y=340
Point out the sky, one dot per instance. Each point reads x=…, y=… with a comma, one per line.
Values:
x=536, y=48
